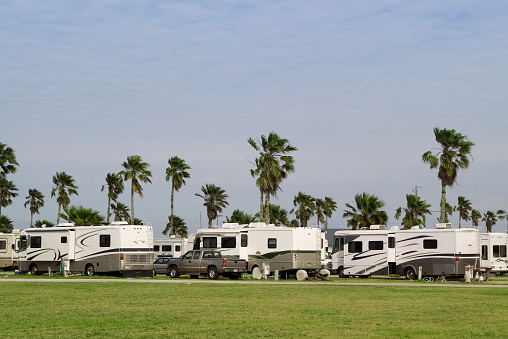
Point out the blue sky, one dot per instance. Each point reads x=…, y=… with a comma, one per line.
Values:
x=357, y=86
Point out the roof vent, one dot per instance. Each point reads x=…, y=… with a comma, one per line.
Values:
x=377, y=227
x=257, y=224
x=119, y=223
x=415, y=227
x=230, y=225
x=443, y=225
x=65, y=224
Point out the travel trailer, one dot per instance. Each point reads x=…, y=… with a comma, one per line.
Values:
x=115, y=248
x=170, y=247
x=493, y=252
x=285, y=249
x=9, y=246
x=442, y=251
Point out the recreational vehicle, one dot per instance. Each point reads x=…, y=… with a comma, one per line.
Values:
x=285, y=249
x=493, y=252
x=9, y=246
x=115, y=248
x=441, y=251
x=169, y=247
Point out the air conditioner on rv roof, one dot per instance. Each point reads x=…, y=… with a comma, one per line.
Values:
x=377, y=227
x=443, y=225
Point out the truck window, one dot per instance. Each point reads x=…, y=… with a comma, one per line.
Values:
x=166, y=248
x=35, y=242
x=105, y=240
x=430, y=244
x=196, y=255
x=485, y=252
x=207, y=255
x=355, y=246
x=3, y=245
x=244, y=240
x=209, y=242
x=228, y=242
x=188, y=255
x=375, y=245
x=272, y=243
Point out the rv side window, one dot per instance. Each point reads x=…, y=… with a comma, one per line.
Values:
x=35, y=242
x=228, y=242
x=156, y=248
x=391, y=242
x=22, y=245
x=341, y=244
x=499, y=251
x=430, y=244
x=209, y=242
x=272, y=243
x=375, y=245
x=485, y=252
x=177, y=248
x=336, y=245
x=63, y=240
x=244, y=240
x=502, y=251
x=166, y=248
x=3, y=245
x=105, y=240
x=355, y=246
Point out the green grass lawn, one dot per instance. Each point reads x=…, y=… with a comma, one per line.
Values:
x=199, y=310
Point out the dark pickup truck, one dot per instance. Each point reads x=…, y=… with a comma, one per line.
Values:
x=210, y=263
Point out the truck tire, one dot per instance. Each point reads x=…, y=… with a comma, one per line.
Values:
x=212, y=273
x=173, y=272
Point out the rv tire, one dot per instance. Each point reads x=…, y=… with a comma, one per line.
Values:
x=173, y=272
x=340, y=272
x=212, y=273
x=89, y=270
x=34, y=270
x=410, y=273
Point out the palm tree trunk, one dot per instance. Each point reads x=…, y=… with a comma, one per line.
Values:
x=58, y=216
x=31, y=220
x=459, y=219
x=132, y=203
x=442, y=217
x=172, y=200
x=109, y=209
x=326, y=222
x=210, y=222
x=267, y=208
x=261, y=206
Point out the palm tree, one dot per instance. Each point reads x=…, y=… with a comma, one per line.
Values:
x=114, y=182
x=366, y=212
x=175, y=226
x=453, y=155
x=320, y=214
x=6, y=225
x=305, y=208
x=121, y=211
x=330, y=206
x=82, y=216
x=7, y=191
x=278, y=215
x=63, y=189
x=415, y=211
x=240, y=217
x=136, y=171
x=215, y=200
x=464, y=208
x=448, y=211
x=35, y=200
x=177, y=173
x=46, y=223
x=8, y=161
x=272, y=167
x=490, y=219
x=475, y=217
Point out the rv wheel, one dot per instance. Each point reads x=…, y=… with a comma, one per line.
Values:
x=89, y=270
x=34, y=270
x=410, y=273
x=212, y=273
x=341, y=272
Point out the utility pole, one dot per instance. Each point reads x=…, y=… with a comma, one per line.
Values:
x=416, y=191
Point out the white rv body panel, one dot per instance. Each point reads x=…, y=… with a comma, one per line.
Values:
x=127, y=249
x=9, y=246
x=283, y=248
x=171, y=247
x=493, y=252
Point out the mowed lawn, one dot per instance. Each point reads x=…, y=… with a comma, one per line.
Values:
x=202, y=310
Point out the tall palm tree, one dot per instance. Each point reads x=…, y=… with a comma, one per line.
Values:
x=6, y=225
x=464, y=207
x=320, y=214
x=177, y=173
x=305, y=208
x=476, y=217
x=365, y=212
x=278, y=215
x=490, y=219
x=8, y=161
x=415, y=211
x=176, y=226
x=215, y=200
x=137, y=172
x=121, y=211
x=63, y=189
x=82, y=216
x=7, y=191
x=330, y=206
x=114, y=182
x=35, y=200
x=272, y=167
x=453, y=155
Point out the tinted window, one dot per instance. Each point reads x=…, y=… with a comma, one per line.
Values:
x=502, y=251
x=209, y=242
x=3, y=244
x=244, y=240
x=23, y=242
x=105, y=240
x=228, y=242
x=375, y=245
x=159, y=261
x=272, y=243
x=63, y=240
x=196, y=255
x=156, y=248
x=391, y=242
x=166, y=248
x=341, y=244
x=188, y=255
x=35, y=242
x=178, y=248
x=355, y=246
x=430, y=244
x=497, y=251
x=485, y=252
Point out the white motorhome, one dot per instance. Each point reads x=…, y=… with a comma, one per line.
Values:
x=9, y=246
x=116, y=248
x=442, y=251
x=285, y=249
x=170, y=247
x=493, y=252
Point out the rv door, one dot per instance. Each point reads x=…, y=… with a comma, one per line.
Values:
x=71, y=242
